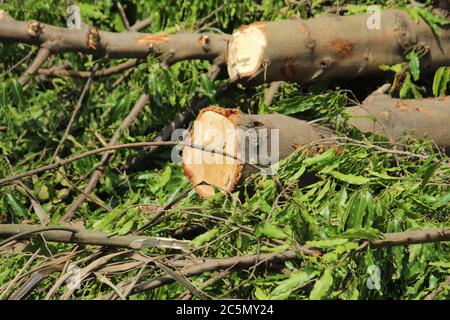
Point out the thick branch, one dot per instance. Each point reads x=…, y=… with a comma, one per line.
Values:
x=91, y=237
x=39, y=60
x=60, y=72
x=169, y=48
x=412, y=237
x=243, y=262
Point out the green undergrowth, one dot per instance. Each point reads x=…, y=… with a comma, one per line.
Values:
x=358, y=188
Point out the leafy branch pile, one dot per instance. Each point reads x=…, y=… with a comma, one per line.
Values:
x=274, y=237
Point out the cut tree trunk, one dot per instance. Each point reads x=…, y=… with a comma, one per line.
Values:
x=241, y=140
x=332, y=47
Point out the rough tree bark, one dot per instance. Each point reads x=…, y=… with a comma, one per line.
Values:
x=216, y=128
x=331, y=47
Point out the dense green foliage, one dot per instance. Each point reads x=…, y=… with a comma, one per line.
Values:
x=362, y=189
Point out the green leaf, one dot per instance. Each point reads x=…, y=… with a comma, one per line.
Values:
x=382, y=175
x=361, y=233
x=165, y=176
x=16, y=206
x=126, y=228
x=269, y=230
x=441, y=81
x=90, y=11
x=4, y=94
x=107, y=221
x=298, y=174
x=414, y=14
x=355, y=9
x=414, y=64
x=444, y=199
x=441, y=264
x=358, y=209
x=207, y=86
x=409, y=89
x=323, y=157
x=260, y=294
x=327, y=243
x=428, y=174
x=205, y=237
x=18, y=93
x=322, y=286
x=285, y=288
x=432, y=19
x=396, y=68
x=349, y=178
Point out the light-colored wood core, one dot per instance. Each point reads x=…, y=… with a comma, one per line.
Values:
x=245, y=51
x=213, y=130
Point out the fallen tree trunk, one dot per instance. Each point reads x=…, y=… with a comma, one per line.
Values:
x=264, y=139
x=332, y=47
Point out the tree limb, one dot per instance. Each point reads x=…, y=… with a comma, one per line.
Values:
x=169, y=48
x=196, y=267
x=332, y=47
x=76, y=110
x=39, y=60
x=86, y=74
x=95, y=177
x=91, y=237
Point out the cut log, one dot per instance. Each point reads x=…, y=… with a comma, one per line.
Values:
x=331, y=47
x=232, y=132
x=244, y=139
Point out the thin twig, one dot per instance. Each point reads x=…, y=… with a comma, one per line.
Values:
x=271, y=91
x=75, y=111
x=95, y=177
x=39, y=60
x=69, y=160
x=123, y=15
x=59, y=72
x=438, y=290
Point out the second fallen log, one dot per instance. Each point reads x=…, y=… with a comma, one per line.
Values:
x=242, y=139
x=332, y=47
